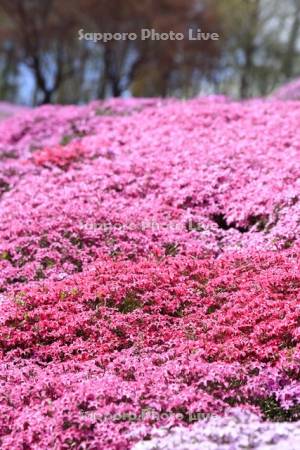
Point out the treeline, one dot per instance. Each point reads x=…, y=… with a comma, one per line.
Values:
x=43, y=60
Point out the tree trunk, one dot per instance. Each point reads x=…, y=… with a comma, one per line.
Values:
x=249, y=50
x=289, y=57
x=47, y=97
x=246, y=72
x=111, y=71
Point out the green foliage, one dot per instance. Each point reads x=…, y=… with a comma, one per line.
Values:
x=129, y=303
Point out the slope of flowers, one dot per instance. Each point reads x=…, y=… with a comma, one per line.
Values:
x=288, y=91
x=149, y=258
x=8, y=109
x=188, y=178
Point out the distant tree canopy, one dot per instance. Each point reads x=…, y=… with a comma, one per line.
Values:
x=42, y=59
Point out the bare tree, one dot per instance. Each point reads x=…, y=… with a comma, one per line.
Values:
x=40, y=31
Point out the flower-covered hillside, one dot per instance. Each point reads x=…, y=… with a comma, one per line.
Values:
x=149, y=258
x=177, y=178
x=288, y=91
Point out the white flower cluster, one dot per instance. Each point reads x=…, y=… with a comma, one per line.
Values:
x=238, y=430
